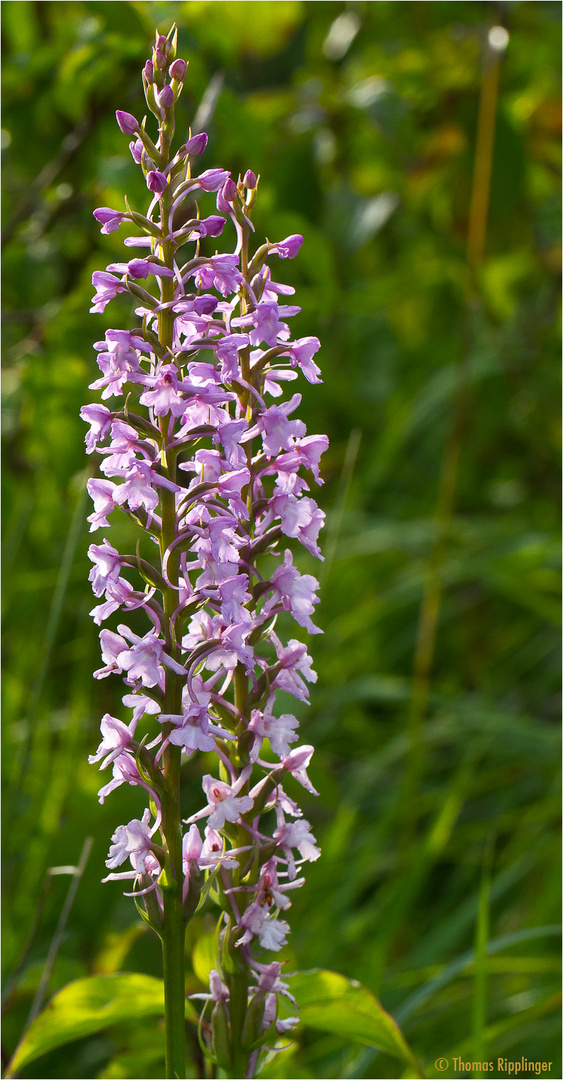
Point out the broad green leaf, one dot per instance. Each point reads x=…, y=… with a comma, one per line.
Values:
x=331, y=1002
x=87, y=1006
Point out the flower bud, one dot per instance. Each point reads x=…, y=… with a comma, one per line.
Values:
x=229, y=191
x=166, y=97
x=177, y=70
x=126, y=122
x=252, y=1028
x=221, y=1035
x=196, y=145
x=249, y=180
x=191, y=901
x=148, y=71
x=156, y=181
x=159, y=59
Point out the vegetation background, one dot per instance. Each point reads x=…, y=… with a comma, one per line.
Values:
x=435, y=711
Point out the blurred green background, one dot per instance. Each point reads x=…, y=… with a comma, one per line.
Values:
x=435, y=712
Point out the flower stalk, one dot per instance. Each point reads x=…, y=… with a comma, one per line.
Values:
x=214, y=476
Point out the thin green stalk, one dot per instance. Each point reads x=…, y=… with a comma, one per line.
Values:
x=238, y=979
x=173, y=934
x=238, y=986
x=174, y=985
x=174, y=929
x=59, y=932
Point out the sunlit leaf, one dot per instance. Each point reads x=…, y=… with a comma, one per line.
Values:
x=330, y=1002
x=87, y=1006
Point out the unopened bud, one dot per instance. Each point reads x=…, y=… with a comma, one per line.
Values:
x=221, y=1035
x=177, y=70
x=249, y=180
x=229, y=191
x=148, y=71
x=126, y=122
x=194, y=892
x=252, y=1028
x=156, y=181
x=196, y=145
x=166, y=97
x=159, y=59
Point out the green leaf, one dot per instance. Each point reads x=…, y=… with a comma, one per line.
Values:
x=87, y=1006
x=331, y=1002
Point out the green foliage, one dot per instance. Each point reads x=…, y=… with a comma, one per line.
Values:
x=330, y=1002
x=327, y=1001
x=439, y=885
x=86, y=1006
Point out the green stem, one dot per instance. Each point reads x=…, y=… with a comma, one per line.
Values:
x=238, y=995
x=173, y=952
x=173, y=935
x=238, y=979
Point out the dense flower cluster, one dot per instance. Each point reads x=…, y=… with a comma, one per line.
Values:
x=199, y=447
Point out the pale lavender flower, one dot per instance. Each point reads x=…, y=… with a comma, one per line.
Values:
x=223, y=802
x=116, y=737
x=110, y=219
x=99, y=418
x=288, y=248
x=107, y=565
x=101, y=492
x=271, y=933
